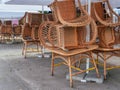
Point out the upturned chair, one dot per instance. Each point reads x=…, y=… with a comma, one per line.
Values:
x=66, y=36
x=104, y=17
x=72, y=33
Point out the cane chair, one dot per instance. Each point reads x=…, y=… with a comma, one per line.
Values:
x=70, y=57
x=106, y=23
x=69, y=17
x=60, y=35
x=33, y=20
x=6, y=33
x=70, y=24
x=17, y=30
x=28, y=41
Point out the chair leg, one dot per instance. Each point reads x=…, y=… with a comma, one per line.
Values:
x=37, y=46
x=23, y=49
x=104, y=57
x=52, y=65
x=42, y=52
x=97, y=72
x=97, y=58
x=70, y=72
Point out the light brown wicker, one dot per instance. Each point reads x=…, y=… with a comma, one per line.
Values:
x=6, y=33
x=67, y=16
x=66, y=37
x=104, y=16
x=66, y=56
x=71, y=30
x=27, y=40
x=17, y=30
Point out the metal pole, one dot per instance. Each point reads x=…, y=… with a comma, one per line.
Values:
x=88, y=35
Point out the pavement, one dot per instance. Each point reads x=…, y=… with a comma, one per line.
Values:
x=33, y=73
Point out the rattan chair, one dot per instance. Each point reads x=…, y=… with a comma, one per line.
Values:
x=17, y=32
x=65, y=37
x=6, y=30
x=32, y=20
x=27, y=41
x=72, y=33
x=69, y=17
x=106, y=23
x=6, y=33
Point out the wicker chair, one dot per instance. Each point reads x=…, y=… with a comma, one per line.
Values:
x=104, y=17
x=70, y=17
x=6, y=33
x=17, y=30
x=27, y=40
x=65, y=37
x=71, y=24
x=32, y=20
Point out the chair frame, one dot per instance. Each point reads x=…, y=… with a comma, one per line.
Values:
x=28, y=42
x=106, y=52
x=68, y=57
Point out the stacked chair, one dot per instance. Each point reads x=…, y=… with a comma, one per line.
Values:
x=67, y=36
x=31, y=22
x=108, y=23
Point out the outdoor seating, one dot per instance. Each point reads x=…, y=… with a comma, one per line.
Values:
x=17, y=31
x=108, y=23
x=30, y=31
x=6, y=33
x=27, y=41
x=72, y=34
x=66, y=36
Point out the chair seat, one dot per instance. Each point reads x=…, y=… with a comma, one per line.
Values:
x=107, y=49
x=73, y=52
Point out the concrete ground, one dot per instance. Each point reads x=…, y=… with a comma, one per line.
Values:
x=33, y=73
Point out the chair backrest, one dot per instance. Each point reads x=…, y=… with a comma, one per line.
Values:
x=103, y=15
x=2, y=30
x=65, y=12
x=8, y=22
x=66, y=8
x=106, y=37
x=34, y=33
x=99, y=10
x=17, y=29
x=35, y=19
x=26, y=32
x=6, y=29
